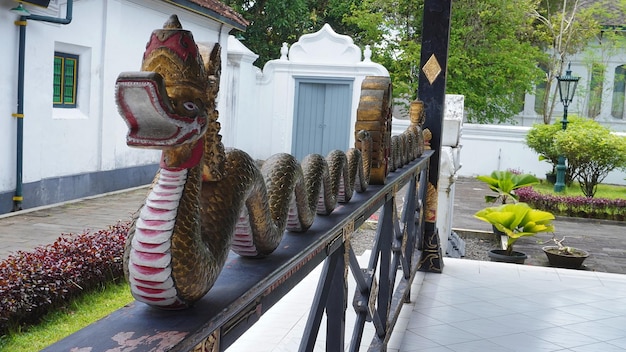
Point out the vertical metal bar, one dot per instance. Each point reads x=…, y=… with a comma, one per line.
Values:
x=385, y=287
x=336, y=304
x=412, y=217
x=363, y=287
x=319, y=303
x=431, y=90
x=408, y=220
x=19, y=154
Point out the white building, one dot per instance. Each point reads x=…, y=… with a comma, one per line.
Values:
x=76, y=146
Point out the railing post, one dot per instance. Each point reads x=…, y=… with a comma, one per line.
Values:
x=336, y=304
x=432, y=89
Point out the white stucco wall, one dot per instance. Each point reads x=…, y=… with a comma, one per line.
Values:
x=110, y=36
x=263, y=124
x=485, y=148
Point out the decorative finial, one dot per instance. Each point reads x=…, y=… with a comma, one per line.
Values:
x=367, y=54
x=172, y=23
x=283, y=51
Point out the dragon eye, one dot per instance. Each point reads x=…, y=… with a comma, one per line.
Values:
x=190, y=106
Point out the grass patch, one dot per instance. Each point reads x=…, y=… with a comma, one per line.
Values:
x=604, y=190
x=77, y=314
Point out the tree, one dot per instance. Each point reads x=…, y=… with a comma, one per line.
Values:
x=498, y=48
x=393, y=29
x=563, y=28
x=592, y=151
x=491, y=59
x=274, y=22
x=541, y=139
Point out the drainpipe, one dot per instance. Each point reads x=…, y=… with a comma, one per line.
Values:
x=18, y=197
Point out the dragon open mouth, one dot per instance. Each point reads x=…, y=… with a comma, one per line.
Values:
x=145, y=106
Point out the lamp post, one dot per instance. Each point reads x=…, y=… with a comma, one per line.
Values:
x=567, y=87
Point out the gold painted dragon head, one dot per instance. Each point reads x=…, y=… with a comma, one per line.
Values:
x=170, y=103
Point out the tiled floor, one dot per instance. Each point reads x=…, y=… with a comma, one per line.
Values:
x=485, y=306
x=478, y=306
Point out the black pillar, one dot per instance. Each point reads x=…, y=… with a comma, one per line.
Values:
x=432, y=90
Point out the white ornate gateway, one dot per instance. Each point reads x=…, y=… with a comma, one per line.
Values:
x=314, y=86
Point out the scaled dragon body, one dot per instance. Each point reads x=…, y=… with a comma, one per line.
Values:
x=204, y=200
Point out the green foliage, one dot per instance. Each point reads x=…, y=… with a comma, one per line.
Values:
x=75, y=315
x=504, y=183
x=393, y=29
x=492, y=61
x=494, y=50
x=516, y=221
x=541, y=139
x=592, y=151
x=274, y=22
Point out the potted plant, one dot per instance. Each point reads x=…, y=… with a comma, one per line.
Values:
x=504, y=184
x=515, y=221
x=562, y=256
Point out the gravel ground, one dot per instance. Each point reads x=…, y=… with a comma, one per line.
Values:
x=475, y=248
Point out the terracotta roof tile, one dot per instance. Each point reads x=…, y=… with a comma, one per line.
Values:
x=215, y=9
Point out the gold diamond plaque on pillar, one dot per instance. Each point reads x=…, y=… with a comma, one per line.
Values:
x=432, y=69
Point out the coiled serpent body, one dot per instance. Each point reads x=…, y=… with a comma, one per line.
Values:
x=204, y=200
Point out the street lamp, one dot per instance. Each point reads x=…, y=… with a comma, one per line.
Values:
x=567, y=87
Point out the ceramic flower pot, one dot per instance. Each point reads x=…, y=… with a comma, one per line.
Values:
x=499, y=255
x=562, y=260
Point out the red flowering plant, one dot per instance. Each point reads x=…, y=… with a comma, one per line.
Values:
x=32, y=283
x=576, y=206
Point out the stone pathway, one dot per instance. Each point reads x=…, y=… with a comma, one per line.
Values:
x=604, y=240
x=30, y=228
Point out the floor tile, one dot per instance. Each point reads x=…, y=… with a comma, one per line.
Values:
x=483, y=306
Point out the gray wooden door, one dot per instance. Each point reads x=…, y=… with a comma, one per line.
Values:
x=321, y=116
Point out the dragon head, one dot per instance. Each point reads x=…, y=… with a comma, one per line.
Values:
x=170, y=103
x=165, y=104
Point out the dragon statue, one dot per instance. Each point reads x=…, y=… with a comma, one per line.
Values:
x=206, y=200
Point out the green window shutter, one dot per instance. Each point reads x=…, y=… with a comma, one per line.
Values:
x=68, y=81
x=58, y=67
x=65, y=81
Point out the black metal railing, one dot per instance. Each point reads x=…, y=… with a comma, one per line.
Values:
x=247, y=288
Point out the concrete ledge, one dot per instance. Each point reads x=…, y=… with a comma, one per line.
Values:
x=60, y=189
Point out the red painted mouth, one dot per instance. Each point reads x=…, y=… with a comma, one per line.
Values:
x=144, y=105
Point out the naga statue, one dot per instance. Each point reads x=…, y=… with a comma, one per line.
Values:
x=206, y=200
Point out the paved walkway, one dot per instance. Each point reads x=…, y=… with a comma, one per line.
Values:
x=27, y=229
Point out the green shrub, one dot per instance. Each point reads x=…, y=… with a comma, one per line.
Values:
x=504, y=184
x=540, y=138
x=592, y=151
